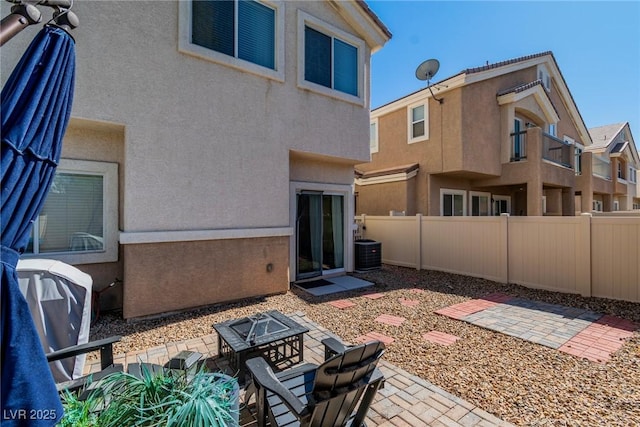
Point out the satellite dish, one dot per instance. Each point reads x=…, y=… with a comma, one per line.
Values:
x=427, y=69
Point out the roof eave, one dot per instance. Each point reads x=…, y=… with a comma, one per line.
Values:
x=365, y=21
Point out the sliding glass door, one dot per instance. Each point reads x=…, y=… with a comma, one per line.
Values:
x=319, y=233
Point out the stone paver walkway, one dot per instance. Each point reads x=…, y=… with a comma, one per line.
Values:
x=579, y=332
x=405, y=400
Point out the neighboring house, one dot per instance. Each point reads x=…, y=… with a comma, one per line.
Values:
x=212, y=145
x=502, y=140
x=614, y=171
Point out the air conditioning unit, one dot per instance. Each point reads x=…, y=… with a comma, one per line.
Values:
x=368, y=254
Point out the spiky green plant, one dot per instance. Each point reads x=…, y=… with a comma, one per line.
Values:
x=80, y=412
x=163, y=398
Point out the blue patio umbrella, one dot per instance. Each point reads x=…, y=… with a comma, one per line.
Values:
x=36, y=105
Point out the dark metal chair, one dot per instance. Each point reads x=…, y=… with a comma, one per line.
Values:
x=106, y=361
x=338, y=392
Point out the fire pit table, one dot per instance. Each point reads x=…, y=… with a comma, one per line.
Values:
x=272, y=335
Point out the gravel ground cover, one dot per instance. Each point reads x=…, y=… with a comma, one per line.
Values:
x=516, y=380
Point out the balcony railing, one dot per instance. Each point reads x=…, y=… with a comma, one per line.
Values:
x=556, y=150
x=601, y=167
x=518, y=146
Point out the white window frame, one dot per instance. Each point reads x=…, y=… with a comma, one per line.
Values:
x=633, y=175
x=306, y=20
x=597, y=206
x=374, y=139
x=497, y=198
x=578, y=151
x=620, y=173
x=109, y=172
x=453, y=192
x=543, y=74
x=410, y=108
x=185, y=45
x=473, y=194
x=553, y=129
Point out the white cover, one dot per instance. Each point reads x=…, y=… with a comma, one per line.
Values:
x=59, y=298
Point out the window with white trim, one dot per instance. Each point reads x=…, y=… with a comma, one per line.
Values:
x=633, y=175
x=579, y=148
x=79, y=220
x=453, y=202
x=597, y=206
x=553, y=129
x=418, y=122
x=373, y=136
x=621, y=170
x=501, y=204
x=331, y=61
x=543, y=75
x=244, y=34
x=480, y=203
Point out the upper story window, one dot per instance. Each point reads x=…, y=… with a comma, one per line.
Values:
x=373, y=136
x=621, y=168
x=518, y=141
x=543, y=75
x=244, y=34
x=418, y=122
x=79, y=220
x=578, y=159
x=553, y=129
x=633, y=177
x=331, y=61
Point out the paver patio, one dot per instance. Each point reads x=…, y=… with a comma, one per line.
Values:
x=579, y=332
x=405, y=400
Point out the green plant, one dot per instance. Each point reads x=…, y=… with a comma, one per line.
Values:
x=158, y=398
x=79, y=412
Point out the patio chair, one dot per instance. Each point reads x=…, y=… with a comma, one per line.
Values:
x=106, y=361
x=338, y=392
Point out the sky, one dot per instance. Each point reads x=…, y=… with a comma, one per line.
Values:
x=596, y=45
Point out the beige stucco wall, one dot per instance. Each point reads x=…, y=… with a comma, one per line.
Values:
x=194, y=126
x=88, y=140
x=203, y=148
x=173, y=276
x=308, y=167
x=380, y=199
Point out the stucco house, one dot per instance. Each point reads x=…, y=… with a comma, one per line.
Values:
x=211, y=151
x=499, y=138
x=614, y=168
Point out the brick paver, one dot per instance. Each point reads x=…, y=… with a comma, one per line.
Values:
x=598, y=341
x=571, y=330
x=375, y=336
x=460, y=311
x=341, y=304
x=389, y=319
x=441, y=338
